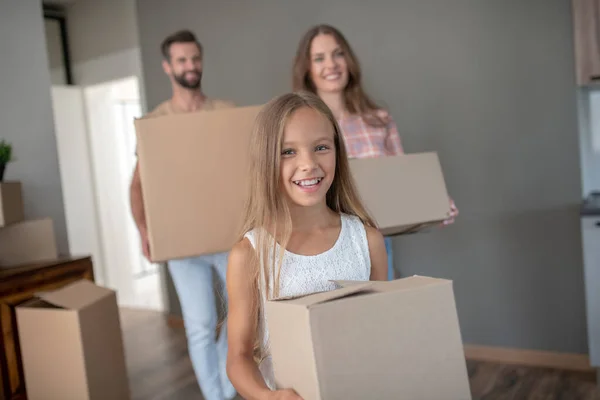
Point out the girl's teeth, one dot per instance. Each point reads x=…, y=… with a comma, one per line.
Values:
x=310, y=182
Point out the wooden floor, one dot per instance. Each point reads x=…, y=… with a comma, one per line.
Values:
x=159, y=368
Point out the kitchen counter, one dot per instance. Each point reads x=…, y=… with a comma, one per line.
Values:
x=590, y=206
x=589, y=211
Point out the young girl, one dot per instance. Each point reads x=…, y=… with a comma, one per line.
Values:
x=304, y=227
x=326, y=65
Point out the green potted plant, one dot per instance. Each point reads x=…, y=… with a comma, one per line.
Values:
x=5, y=156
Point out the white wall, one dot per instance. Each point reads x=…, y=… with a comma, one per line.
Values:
x=77, y=176
x=118, y=65
x=103, y=41
x=105, y=55
x=26, y=112
x=112, y=160
x=99, y=28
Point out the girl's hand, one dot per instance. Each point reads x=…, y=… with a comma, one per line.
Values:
x=285, y=394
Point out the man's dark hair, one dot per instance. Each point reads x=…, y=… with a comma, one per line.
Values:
x=183, y=36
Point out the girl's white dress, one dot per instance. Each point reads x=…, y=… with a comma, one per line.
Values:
x=348, y=259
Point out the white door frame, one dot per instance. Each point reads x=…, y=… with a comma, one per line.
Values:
x=95, y=171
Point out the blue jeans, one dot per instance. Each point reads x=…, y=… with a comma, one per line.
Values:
x=193, y=279
x=390, y=256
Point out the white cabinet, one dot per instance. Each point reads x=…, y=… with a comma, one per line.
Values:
x=590, y=226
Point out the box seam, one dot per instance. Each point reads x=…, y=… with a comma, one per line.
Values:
x=87, y=382
x=315, y=354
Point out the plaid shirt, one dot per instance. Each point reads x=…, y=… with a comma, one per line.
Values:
x=365, y=141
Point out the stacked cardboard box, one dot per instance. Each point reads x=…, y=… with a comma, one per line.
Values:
x=72, y=345
x=22, y=241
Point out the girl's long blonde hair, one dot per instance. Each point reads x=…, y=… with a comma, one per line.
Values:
x=266, y=211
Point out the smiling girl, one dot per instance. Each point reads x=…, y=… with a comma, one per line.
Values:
x=304, y=226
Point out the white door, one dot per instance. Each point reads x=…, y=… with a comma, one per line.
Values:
x=77, y=180
x=96, y=142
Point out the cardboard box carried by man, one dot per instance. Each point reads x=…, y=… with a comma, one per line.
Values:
x=193, y=172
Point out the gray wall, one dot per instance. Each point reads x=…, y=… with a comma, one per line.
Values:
x=89, y=37
x=103, y=40
x=26, y=112
x=489, y=85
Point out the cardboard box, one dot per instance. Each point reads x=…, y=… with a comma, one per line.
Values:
x=11, y=203
x=193, y=169
x=404, y=193
x=71, y=344
x=378, y=340
x=27, y=242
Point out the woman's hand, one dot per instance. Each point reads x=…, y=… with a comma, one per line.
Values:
x=453, y=213
x=285, y=394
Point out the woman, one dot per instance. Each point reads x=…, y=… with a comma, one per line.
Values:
x=326, y=65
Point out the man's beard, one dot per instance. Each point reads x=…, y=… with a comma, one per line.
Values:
x=187, y=84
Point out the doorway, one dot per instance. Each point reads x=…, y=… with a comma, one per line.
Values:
x=96, y=147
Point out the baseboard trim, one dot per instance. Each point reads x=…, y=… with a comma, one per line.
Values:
x=499, y=355
x=531, y=358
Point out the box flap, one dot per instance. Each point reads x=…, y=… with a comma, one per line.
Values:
x=323, y=297
x=344, y=284
x=408, y=283
x=75, y=296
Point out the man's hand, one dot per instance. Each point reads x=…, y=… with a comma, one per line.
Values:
x=137, y=210
x=145, y=245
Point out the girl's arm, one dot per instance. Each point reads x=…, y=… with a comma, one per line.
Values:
x=378, y=255
x=242, y=325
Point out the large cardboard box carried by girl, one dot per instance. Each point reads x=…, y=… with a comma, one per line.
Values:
x=370, y=340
